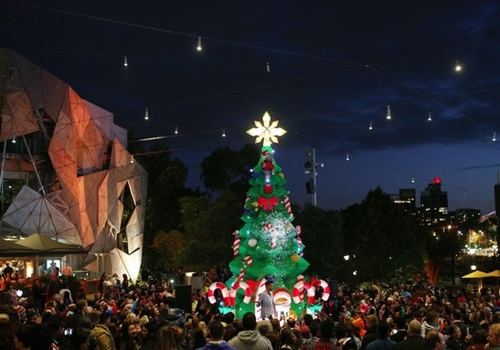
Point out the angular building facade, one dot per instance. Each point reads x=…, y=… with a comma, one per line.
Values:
x=66, y=172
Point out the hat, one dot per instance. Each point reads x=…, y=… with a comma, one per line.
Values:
x=23, y=299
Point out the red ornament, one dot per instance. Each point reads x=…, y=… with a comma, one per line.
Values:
x=268, y=189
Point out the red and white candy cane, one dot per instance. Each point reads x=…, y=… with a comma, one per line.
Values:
x=288, y=206
x=270, y=228
x=299, y=231
x=245, y=287
x=236, y=243
x=247, y=261
x=298, y=292
x=325, y=286
x=225, y=293
x=260, y=289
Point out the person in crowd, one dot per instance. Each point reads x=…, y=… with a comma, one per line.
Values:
x=249, y=338
x=216, y=342
x=434, y=340
x=266, y=301
x=287, y=339
x=479, y=339
x=371, y=331
x=169, y=338
x=197, y=339
x=129, y=337
x=102, y=334
x=414, y=339
x=148, y=333
x=454, y=340
x=383, y=342
x=326, y=331
x=400, y=332
x=431, y=321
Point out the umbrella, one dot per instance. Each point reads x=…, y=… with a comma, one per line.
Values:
x=476, y=274
x=39, y=244
x=8, y=248
x=495, y=273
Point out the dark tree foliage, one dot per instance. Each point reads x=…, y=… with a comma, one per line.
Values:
x=321, y=234
x=382, y=240
x=229, y=169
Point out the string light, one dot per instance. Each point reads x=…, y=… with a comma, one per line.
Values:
x=146, y=114
x=176, y=131
x=125, y=61
x=370, y=127
x=223, y=132
x=199, y=47
x=388, y=116
x=347, y=157
x=132, y=160
x=429, y=117
x=412, y=179
x=14, y=139
x=494, y=136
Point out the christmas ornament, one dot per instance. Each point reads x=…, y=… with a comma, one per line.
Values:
x=252, y=242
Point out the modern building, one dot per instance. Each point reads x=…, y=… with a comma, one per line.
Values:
x=65, y=171
x=434, y=205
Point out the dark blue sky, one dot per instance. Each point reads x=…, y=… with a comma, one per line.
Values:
x=334, y=68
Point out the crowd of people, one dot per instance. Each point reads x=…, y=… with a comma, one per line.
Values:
x=145, y=316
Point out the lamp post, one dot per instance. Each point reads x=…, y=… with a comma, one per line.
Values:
x=310, y=169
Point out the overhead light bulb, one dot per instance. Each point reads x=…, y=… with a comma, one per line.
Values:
x=347, y=157
x=14, y=139
x=388, y=116
x=494, y=136
x=413, y=179
x=223, y=132
x=176, y=131
x=268, y=67
x=125, y=61
x=132, y=160
x=146, y=114
x=458, y=67
x=370, y=127
x=199, y=47
x=429, y=117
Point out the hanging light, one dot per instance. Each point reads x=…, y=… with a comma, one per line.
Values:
x=458, y=67
x=388, y=116
x=125, y=61
x=132, y=160
x=347, y=157
x=412, y=179
x=370, y=127
x=14, y=139
x=199, y=47
x=268, y=67
x=429, y=117
x=223, y=132
x=146, y=114
x=176, y=131
x=494, y=136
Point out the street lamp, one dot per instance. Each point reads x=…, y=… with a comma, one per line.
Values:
x=310, y=169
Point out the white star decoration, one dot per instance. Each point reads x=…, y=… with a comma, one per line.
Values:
x=266, y=132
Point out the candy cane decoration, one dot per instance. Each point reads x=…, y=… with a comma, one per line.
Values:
x=325, y=286
x=245, y=287
x=270, y=228
x=260, y=289
x=288, y=206
x=225, y=293
x=298, y=290
x=247, y=261
x=236, y=243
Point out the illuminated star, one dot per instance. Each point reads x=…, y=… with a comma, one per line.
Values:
x=266, y=132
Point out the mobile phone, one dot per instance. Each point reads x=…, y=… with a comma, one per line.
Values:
x=68, y=331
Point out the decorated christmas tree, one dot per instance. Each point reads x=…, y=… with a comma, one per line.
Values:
x=268, y=246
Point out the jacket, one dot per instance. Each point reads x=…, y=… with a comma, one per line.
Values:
x=103, y=336
x=217, y=346
x=250, y=340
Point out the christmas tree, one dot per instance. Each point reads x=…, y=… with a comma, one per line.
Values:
x=268, y=246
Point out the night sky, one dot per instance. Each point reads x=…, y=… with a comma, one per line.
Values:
x=324, y=69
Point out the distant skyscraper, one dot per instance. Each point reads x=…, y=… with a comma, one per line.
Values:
x=433, y=204
x=406, y=199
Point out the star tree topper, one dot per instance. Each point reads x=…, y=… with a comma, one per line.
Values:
x=266, y=132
